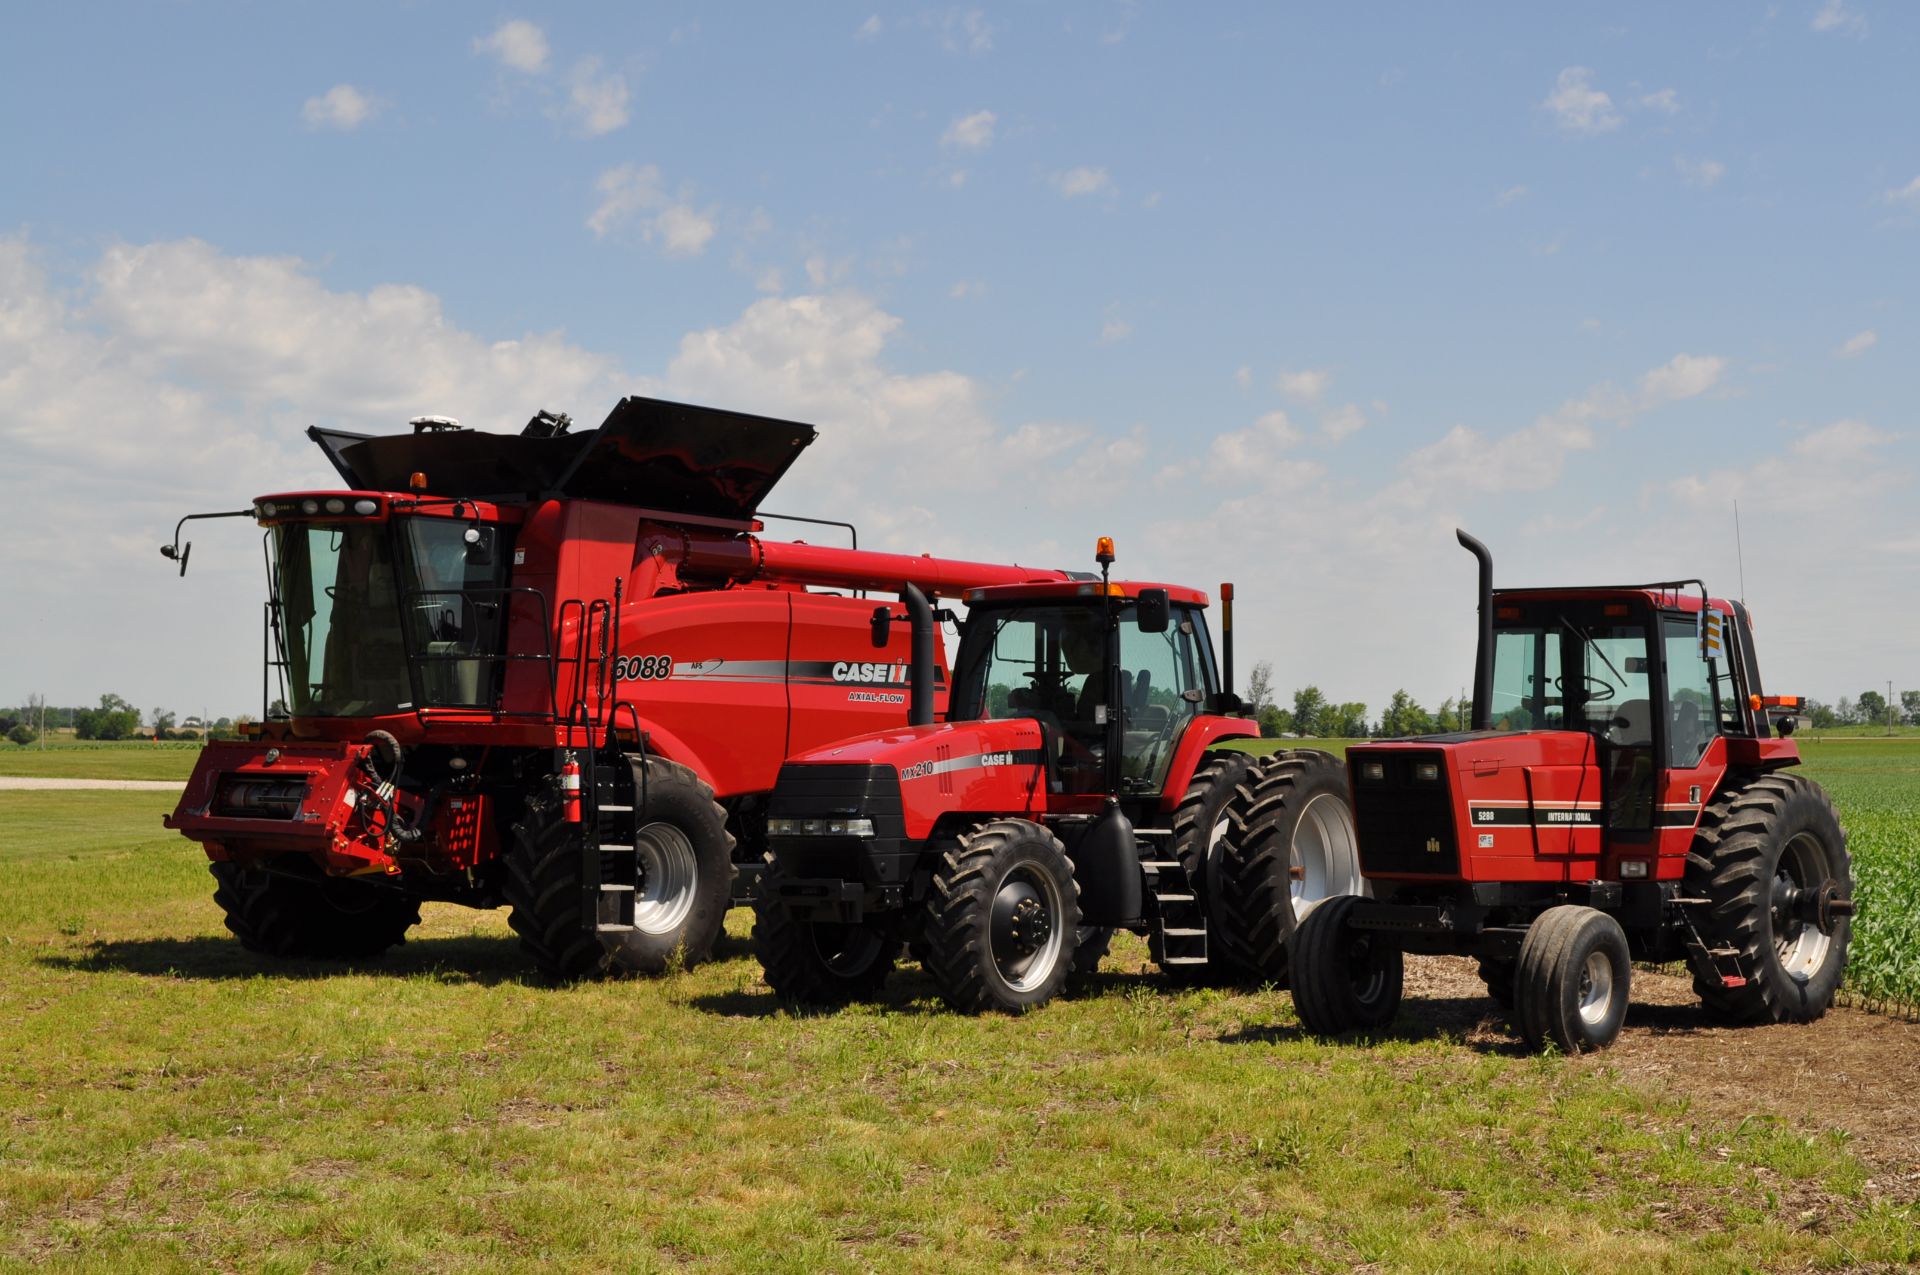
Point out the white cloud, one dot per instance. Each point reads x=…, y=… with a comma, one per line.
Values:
x=1699, y=173
x=633, y=194
x=519, y=45
x=1243, y=377
x=1578, y=107
x=1834, y=15
x=1859, y=343
x=869, y=29
x=1666, y=101
x=971, y=132
x=1304, y=386
x=1343, y=421
x=342, y=107
x=1259, y=452
x=1908, y=194
x=1075, y=182
x=598, y=102
x=1115, y=330
x=1511, y=195
x=967, y=288
x=1684, y=376
x=963, y=30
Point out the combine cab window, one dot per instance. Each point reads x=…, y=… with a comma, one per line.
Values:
x=340, y=621
x=454, y=610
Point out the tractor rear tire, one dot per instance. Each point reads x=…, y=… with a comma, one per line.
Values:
x=295, y=916
x=1573, y=981
x=1290, y=845
x=682, y=833
x=1199, y=824
x=1344, y=979
x=819, y=963
x=1002, y=919
x=1759, y=845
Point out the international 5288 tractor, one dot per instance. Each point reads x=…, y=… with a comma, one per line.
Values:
x=1076, y=787
x=557, y=670
x=1623, y=796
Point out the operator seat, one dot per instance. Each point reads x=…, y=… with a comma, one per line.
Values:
x=1630, y=731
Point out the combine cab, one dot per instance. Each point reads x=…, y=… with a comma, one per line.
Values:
x=1626, y=794
x=1076, y=787
x=553, y=670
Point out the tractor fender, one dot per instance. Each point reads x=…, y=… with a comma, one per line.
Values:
x=1204, y=733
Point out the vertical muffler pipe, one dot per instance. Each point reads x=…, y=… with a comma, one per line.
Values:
x=920, y=659
x=1483, y=658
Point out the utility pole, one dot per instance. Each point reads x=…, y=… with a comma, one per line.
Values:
x=1889, y=706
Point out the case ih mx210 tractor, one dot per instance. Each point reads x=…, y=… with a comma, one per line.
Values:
x=1075, y=788
x=1621, y=797
x=553, y=670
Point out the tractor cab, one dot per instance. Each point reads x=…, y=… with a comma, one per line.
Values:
x=1110, y=672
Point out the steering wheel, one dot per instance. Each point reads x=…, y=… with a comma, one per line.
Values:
x=1591, y=687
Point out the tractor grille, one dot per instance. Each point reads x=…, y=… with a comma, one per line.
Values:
x=1405, y=827
x=867, y=792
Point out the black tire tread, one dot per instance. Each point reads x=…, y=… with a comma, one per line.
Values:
x=949, y=929
x=293, y=918
x=791, y=964
x=1731, y=865
x=1255, y=910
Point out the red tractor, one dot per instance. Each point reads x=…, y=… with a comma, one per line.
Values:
x=1625, y=794
x=557, y=670
x=1077, y=786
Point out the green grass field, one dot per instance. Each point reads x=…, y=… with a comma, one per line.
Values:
x=65, y=759
x=169, y=1102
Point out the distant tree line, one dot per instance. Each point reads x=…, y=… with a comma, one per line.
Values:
x=1871, y=708
x=113, y=718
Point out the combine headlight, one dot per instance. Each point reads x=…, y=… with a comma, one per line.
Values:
x=820, y=827
x=309, y=507
x=1373, y=771
x=335, y=505
x=365, y=507
x=1427, y=772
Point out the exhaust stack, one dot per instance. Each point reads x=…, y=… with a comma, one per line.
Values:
x=1483, y=658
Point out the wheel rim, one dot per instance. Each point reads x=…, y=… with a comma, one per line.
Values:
x=1364, y=970
x=1802, y=946
x=846, y=950
x=1324, y=859
x=668, y=875
x=1025, y=934
x=1596, y=988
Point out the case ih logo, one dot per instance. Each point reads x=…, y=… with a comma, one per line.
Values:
x=885, y=674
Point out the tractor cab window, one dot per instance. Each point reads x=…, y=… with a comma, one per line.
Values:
x=1163, y=678
x=1035, y=661
x=1692, y=720
x=1574, y=669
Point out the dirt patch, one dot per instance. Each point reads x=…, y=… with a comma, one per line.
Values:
x=1852, y=1070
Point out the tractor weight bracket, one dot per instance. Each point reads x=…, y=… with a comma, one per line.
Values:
x=176, y=552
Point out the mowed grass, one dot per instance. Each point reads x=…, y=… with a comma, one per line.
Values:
x=133, y=759
x=169, y=1102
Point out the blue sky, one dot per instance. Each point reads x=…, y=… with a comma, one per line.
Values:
x=1272, y=294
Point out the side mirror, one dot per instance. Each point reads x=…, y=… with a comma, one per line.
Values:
x=1228, y=704
x=882, y=627
x=1152, y=611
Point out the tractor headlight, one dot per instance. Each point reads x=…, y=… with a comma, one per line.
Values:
x=819, y=827
x=1426, y=772
x=1373, y=771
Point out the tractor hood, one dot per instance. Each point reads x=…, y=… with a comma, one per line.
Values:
x=941, y=746
x=1488, y=751
x=668, y=457
x=997, y=766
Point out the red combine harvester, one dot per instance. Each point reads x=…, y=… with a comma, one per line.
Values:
x=1076, y=787
x=1621, y=797
x=555, y=670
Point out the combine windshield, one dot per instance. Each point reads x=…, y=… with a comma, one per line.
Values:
x=356, y=616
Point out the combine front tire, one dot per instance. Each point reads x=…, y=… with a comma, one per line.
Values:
x=1199, y=822
x=1289, y=846
x=684, y=872
x=1002, y=919
x=1344, y=979
x=1771, y=860
x=1573, y=980
x=293, y=915
x=818, y=963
